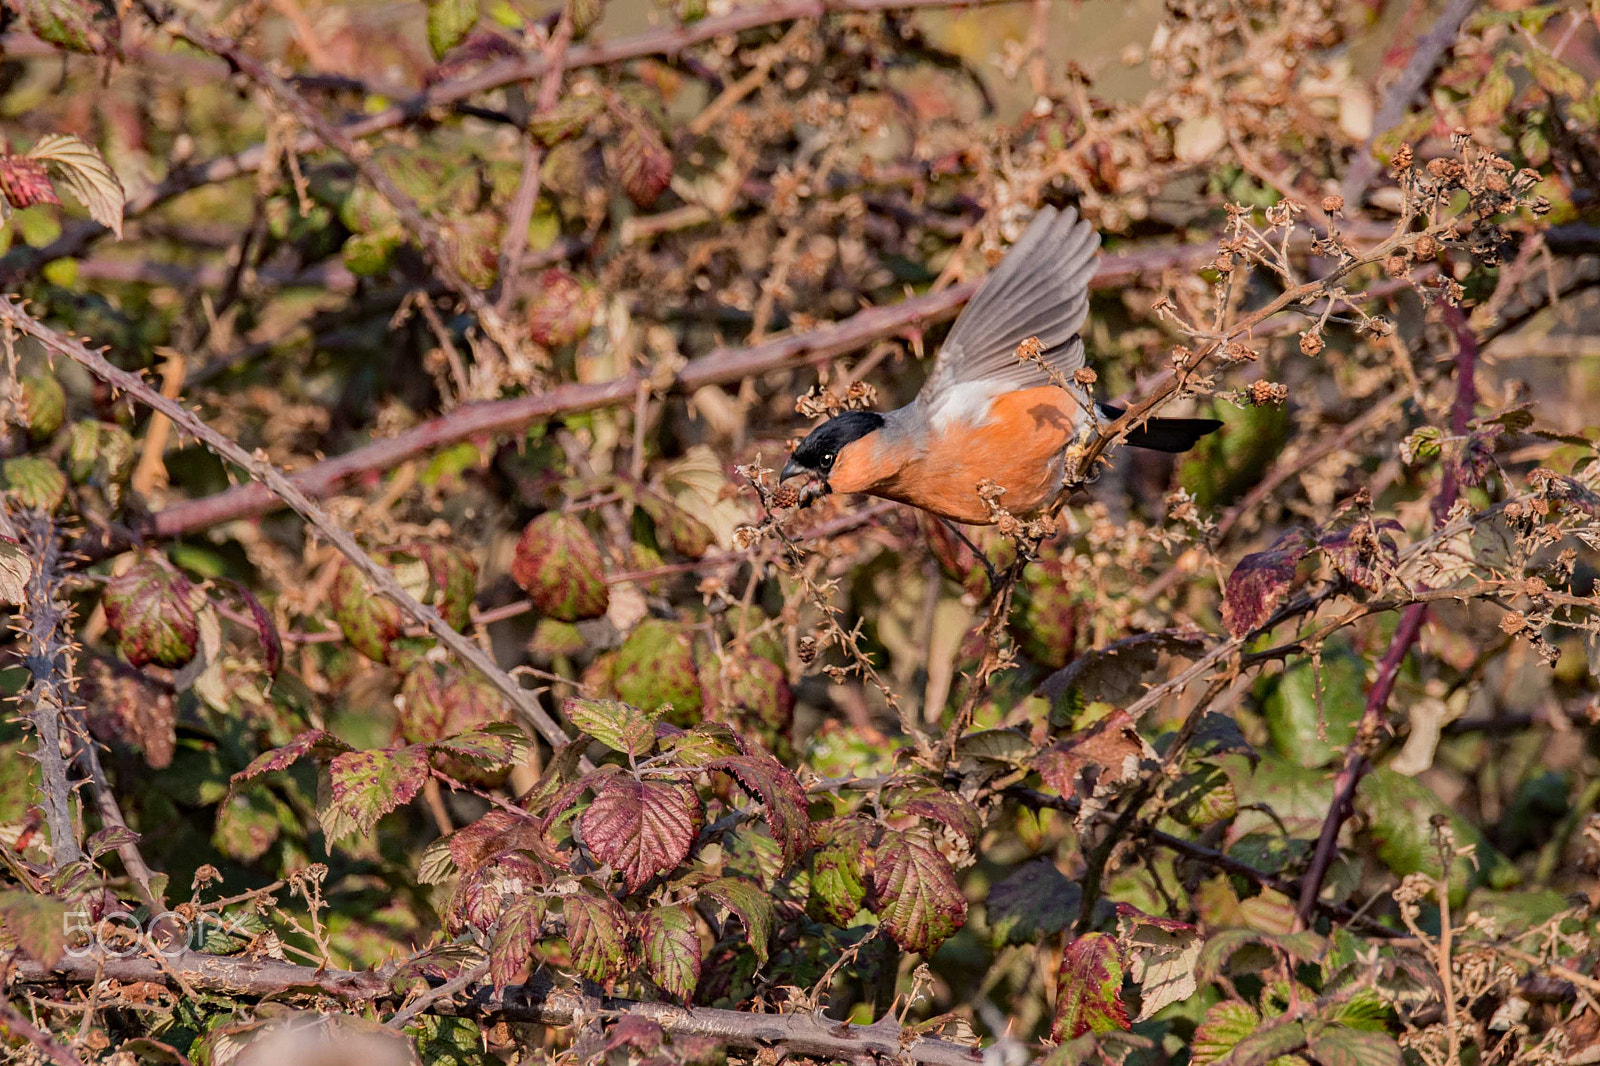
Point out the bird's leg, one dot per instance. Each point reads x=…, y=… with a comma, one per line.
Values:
x=983, y=556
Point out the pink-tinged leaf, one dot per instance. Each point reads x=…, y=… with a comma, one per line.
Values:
x=266, y=629
x=1089, y=988
x=950, y=810
x=482, y=896
x=768, y=780
x=1568, y=492
x=366, y=785
x=562, y=801
x=511, y=953
x=1220, y=1031
x=597, y=936
x=370, y=622
x=1363, y=552
x=25, y=182
x=558, y=564
x=644, y=163
x=1111, y=748
x=440, y=700
x=560, y=310
x=317, y=743
x=1340, y=1045
x=82, y=26
x=916, y=894
x=1261, y=580
x=452, y=580
x=641, y=829
x=151, y=610
x=632, y=1031
x=497, y=746
x=839, y=867
x=675, y=527
x=751, y=903
x=670, y=943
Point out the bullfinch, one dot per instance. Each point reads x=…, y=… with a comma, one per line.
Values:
x=984, y=414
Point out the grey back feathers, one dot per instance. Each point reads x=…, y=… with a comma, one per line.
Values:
x=1040, y=289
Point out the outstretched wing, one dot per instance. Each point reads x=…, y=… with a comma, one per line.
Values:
x=1040, y=289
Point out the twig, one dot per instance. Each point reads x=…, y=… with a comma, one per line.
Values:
x=802, y=1034
x=43, y=1042
x=1356, y=763
x=49, y=695
x=527, y=195
x=279, y=483
x=421, y=1004
x=105, y=802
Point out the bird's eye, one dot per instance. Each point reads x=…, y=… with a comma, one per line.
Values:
x=827, y=457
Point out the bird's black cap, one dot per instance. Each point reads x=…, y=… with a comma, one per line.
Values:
x=821, y=447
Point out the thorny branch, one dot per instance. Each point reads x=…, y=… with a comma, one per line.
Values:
x=49, y=697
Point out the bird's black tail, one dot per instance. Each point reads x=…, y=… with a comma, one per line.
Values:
x=1164, y=434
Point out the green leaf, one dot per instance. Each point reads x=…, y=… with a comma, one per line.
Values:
x=1257, y=1046
x=1399, y=811
x=1295, y=707
x=44, y=404
x=1220, y=948
x=449, y=21
x=597, y=936
x=1035, y=900
x=317, y=743
x=917, y=896
x=36, y=924
x=511, y=952
x=641, y=828
x=670, y=944
x=80, y=167
x=1554, y=76
x=1089, y=988
x=615, y=724
x=35, y=483
x=1224, y=1025
x=366, y=785
x=656, y=666
x=838, y=868
x=569, y=117
x=753, y=906
x=558, y=564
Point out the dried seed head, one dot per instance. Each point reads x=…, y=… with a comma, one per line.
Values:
x=1425, y=247
x=1513, y=622
x=807, y=649
x=1333, y=204
x=1084, y=376
x=1395, y=266
x=1311, y=343
x=785, y=496
x=1267, y=393
x=1403, y=158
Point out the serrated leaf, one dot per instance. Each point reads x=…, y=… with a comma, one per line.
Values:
x=1089, y=988
x=366, y=785
x=1260, y=581
x=615, y=724
x=1486, y=109
x=1035, y=900
x=1266, y=1045
x=644, y=163
x=35, y=483
x=495, y=747
x=449, y=21
x=670, y=944
x=1554, y=76
x=1338, y=1045
x=948, y=809
x=1312, y=710
x=1118, y=673
x=80, y=167
x=1220, y=948
x=752, y=904
x=1162, y=955
x=558, y=564
x=597, y=936
x=151, y=611
x=36, y=924
x=675, y=527
x=1224, y=1025
x=511, y=952
x=775, y=786
x=82, y=26
x=318, y=743
x=641, y=828
x=1109, y=753
x=839, y=868
x=569, y=117
x=915, y=892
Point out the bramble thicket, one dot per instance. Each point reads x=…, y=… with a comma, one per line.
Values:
x=414, y=656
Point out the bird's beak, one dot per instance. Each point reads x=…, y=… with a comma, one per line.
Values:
x=792, y=469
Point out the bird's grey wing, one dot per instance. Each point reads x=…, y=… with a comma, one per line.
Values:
x=1040, y=289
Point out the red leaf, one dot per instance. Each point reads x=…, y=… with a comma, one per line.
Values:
x=916, y=892
x=318, y=743
x=948, y=809
x=1261, y=580
x=25, y=182
x=266, y=628
x=1112, y=747
x=1089, y=988
x=1363, y=551
x=644, y=163
x=635, y=1032
x=641, y=829
x=366, y=785
x=561, y=308
x=511, y=952
x=497, y=831
x=768, y=780
x=151, y=610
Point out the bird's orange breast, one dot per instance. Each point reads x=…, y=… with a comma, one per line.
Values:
x=1019, y=447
